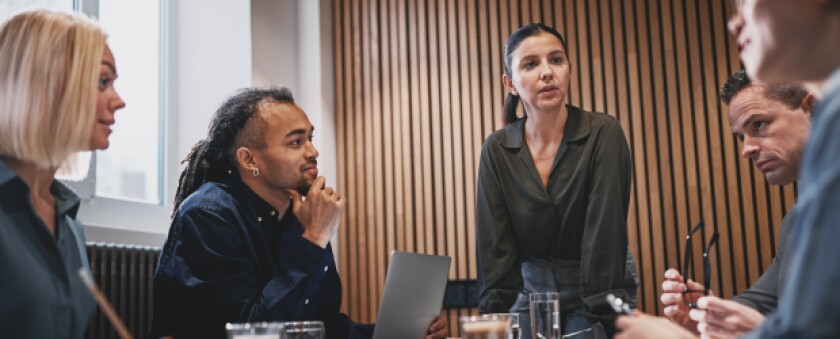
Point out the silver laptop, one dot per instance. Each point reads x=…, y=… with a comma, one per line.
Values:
x=413, y=295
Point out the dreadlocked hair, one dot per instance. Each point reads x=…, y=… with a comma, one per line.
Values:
x=212, y=159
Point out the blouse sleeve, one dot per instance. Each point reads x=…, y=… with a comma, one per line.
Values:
x=499, y=276
x=604, y=247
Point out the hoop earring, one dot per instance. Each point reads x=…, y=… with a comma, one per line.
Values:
x=256, y=172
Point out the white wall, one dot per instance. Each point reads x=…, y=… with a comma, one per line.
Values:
x=274, y=29
x=214, y=60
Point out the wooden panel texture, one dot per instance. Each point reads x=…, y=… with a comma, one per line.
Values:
x=418, y=88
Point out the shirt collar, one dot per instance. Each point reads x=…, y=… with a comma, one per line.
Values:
x=263, y=209
x=6, y=173
x=66, y=202
x=577, y=127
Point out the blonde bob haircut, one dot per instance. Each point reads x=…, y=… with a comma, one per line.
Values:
x=49, y=70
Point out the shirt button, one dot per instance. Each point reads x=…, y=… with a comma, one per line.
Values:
x=259, y=219
x=306, y=302
x=273, y=213
x=326, y=268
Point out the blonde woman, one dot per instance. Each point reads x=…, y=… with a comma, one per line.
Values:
x=56, y=98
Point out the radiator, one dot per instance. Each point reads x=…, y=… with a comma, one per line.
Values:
x=124, y=273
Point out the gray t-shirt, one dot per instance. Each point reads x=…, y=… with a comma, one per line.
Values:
x=763, y=295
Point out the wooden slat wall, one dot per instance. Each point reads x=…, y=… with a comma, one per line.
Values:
x=418, y=85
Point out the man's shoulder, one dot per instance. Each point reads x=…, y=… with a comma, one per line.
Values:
x=210, y=197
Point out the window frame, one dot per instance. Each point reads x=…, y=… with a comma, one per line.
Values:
x=126, y=214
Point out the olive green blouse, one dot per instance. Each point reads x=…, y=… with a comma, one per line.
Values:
x=581, y=215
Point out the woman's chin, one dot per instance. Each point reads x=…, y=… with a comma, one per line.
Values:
x=99, y=145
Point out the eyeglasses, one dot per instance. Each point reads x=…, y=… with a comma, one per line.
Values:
x=707, y=264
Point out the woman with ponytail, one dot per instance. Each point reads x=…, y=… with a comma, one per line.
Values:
x=553, y=194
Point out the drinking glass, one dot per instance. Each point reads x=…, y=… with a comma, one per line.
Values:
x=514, y=322
x=263, y=330
x=488, y=326
x=543, y=308
x=303, y=330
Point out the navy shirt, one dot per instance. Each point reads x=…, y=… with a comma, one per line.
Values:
x=41, y=293
x=230, y=257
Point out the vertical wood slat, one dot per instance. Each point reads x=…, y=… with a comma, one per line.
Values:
x=471, y=126
x=456, y=233
x=425, y=142
x=389, y=90
x=645, y=43
x=395, y=222
x=375, y=251
x=673, y=153
x=340, y=27
x=419, y=88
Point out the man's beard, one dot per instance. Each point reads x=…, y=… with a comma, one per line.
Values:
x=303, y=189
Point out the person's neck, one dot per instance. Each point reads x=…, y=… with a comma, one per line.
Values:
x=279, y=200
x=38, y=179
x=546, y=126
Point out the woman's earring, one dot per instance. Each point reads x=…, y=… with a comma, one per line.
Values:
x=256, y=172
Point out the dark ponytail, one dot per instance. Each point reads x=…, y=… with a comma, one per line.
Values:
x=513, y=42
x=509, y=114
x=212, y=159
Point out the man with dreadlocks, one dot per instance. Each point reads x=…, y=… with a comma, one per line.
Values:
x=244, y=246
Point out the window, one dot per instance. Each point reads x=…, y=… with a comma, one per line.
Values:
x=10, y=7
x=130, y=169
x=172, y=101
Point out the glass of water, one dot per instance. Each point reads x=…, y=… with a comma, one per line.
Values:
x=303, y=330
x=544, y=307
x=264, y=330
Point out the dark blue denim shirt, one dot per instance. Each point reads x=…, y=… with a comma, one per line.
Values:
x=230, y=257
x=41, y=292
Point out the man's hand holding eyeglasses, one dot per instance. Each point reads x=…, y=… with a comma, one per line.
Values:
x=718, y=318
x=672, y=297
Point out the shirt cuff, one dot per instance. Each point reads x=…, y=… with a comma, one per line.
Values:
x=313, y=259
